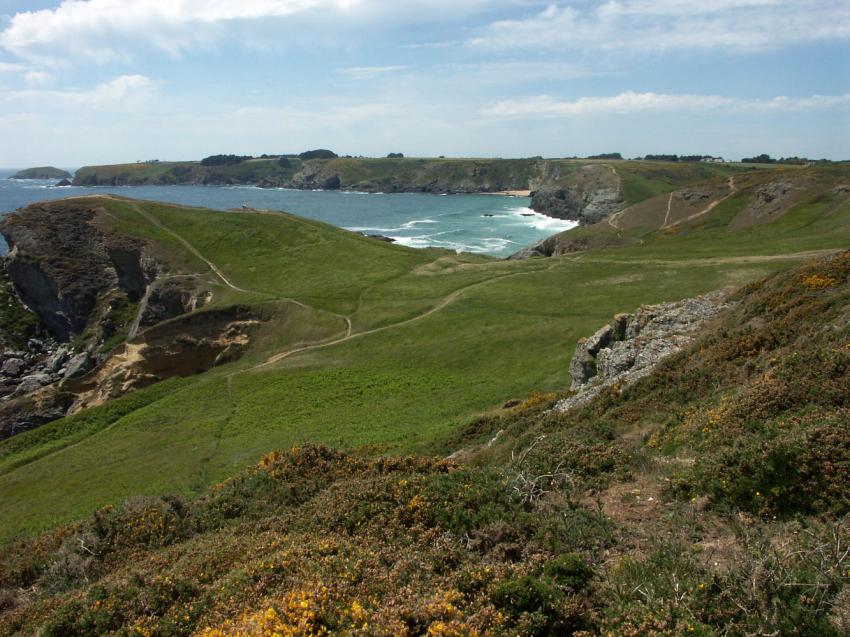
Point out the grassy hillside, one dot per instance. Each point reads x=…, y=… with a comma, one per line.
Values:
x=770, y=211
x=435, y=338
x=710, y=498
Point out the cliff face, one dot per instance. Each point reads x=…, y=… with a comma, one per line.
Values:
x=76, y=288
x=630, y=347
x=596, y=193
x=366, y=175
x=64, y=265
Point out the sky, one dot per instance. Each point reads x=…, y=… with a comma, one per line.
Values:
x=108, y=81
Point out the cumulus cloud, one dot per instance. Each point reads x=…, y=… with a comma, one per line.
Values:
x=104, y=30
x=544, y=106
x=659, y=25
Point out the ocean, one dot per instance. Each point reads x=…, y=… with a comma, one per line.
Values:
x=488, y=224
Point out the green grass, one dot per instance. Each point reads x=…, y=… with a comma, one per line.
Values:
x=499, y=330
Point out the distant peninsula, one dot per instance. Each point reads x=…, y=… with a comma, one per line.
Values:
x=42, y=172
x=583, y=190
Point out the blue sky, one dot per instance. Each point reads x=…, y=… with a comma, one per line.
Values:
x=103, y=81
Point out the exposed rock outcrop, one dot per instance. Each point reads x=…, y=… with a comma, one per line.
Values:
x=594, y=196
x=64, y=265
x=73, y=277
x=180, y=347
x=632, y=345
x=543, y=248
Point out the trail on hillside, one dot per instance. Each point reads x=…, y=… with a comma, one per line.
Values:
x=276, y=358
x=732, y=190
x=755, y=258
x=669, y=207
x=349, y=334
x=217, y=271
x=156, y=222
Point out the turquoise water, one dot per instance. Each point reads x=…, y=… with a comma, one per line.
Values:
x=487, y=224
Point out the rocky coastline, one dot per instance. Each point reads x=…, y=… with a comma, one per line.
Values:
x=558, y=190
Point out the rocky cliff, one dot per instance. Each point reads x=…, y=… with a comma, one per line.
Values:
x=595, y=193
x=564, y=189
x=78, y=297
x=69, y=269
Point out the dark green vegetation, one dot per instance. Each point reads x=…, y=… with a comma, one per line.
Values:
x=43, y=172
x=319, y=153
x=598, y=521
x=223, y=160
x=650, y=511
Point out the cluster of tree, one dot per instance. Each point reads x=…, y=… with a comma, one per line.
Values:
x=319, y=153
x=677, y=157
x=606, y=156
x=759, y=159
x=395, y=156
x=796, y=161
x=224, y=160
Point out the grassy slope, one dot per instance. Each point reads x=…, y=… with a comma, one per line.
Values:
x=501, y=329
x=706, y=499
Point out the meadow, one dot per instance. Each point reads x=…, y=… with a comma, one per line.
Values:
x=436, y=339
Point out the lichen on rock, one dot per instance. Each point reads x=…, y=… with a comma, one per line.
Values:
x=632, y=345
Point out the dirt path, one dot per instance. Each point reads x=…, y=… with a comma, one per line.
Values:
x=669, y=206
x=212, y=266
x=217, y=271
x=756, y=258
x=612, y=219
x=276, y=358
x=732, y=190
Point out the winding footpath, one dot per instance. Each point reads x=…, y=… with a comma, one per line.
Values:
x=217, y=271
x=349, y=333
x=337, y=341
x=733, y=188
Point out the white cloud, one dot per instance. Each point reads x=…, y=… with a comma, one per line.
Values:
x=6, y=67
x=38, y=78
x=369, y=72
x=544, y=106
x=121, y=94
x=104, y=30
x=659, y=25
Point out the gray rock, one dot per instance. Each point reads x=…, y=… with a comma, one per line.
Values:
x=13, y=367
x=600, y=339
x=31, y=383
x=582, y=367
x=79, y=366
x=58, y=359
x=633, y=345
